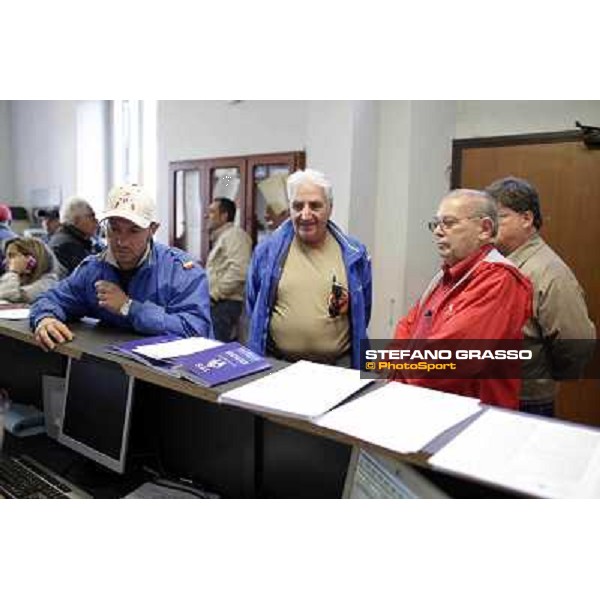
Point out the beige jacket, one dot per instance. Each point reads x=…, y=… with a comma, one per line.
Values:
x=559, y=313
x=227, y=263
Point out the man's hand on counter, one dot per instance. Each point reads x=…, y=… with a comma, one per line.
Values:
x=50, y=332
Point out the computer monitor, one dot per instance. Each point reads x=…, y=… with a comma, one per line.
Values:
x=373, y=475
x=97, y=407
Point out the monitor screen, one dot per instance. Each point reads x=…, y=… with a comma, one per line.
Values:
x=373, y=475
x=95, y=420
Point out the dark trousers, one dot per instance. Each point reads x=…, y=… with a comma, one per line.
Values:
x=225, y=316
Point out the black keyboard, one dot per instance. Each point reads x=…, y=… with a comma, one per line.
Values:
x=21, y=477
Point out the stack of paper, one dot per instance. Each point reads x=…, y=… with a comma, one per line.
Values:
x=13, y=311
x=169, y=349
x=158, y=351
x=304, y=390
x=533, y=455
x=400, y=417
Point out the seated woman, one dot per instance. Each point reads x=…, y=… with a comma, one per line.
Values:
x=30, y=270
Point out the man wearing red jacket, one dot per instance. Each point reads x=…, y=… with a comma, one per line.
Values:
x=477, y=295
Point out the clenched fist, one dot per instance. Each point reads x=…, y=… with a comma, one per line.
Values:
x=110, y=296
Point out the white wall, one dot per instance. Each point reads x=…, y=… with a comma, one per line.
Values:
x=92, y=151
x=391, y=223
x=329, y=149
x=44, y=145
x=415, y=146
x=432, y=127
x=483, y=118
x=62, y=147
x=6, y=158
x=363, y=172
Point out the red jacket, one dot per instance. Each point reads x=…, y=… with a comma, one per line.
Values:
x=482, y=297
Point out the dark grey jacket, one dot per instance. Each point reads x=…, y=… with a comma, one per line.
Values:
x=70, y=247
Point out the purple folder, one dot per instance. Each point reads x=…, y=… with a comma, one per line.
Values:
x=221, y=364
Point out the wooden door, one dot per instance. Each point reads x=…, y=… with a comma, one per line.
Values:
x=567, y=177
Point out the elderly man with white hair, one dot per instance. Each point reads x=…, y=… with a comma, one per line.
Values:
x=72, y=241
x=136, y=283
x=308, y=291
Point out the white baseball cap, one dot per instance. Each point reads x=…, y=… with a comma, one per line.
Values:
x=132, y=202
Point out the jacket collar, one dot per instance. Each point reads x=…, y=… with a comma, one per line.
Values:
x=456, y=272
x=75, y=232
x=524, y=252
x=148, y=257
x=217, y=233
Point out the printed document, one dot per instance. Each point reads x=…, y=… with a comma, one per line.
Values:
x=14, y=314
x=400, y=417
x=304, y=390
x=537, y=456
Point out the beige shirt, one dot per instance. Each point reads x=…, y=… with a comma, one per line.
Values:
x=559, y=313
x=227, y=263
x=300, y=324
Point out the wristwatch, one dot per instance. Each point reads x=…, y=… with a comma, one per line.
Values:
x=125, y=307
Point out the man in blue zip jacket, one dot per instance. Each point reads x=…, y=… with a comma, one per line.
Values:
x=135, y=283
x=308, y=291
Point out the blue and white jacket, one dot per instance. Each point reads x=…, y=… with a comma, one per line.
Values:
x=265, y=272
x=169, y=294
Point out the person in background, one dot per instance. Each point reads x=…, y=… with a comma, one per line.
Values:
x=274, y=192
x=72, y=242
x=308, y=292
x=136, y=283
x=30, y=270
x=477, y=295
x=6, y=233
x=226, y=268
x=50, y=221
x=559, y=309
x=273, y=219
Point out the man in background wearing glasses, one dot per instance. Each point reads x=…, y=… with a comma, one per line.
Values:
x=135, y=283
x=477, y=295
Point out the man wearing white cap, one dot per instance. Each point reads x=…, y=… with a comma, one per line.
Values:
x=135, y=283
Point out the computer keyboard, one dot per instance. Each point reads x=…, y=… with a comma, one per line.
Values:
x=22, y=477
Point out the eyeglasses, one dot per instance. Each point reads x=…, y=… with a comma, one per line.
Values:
x=448, y=222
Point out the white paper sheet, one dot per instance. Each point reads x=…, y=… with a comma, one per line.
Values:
x=304, y=390
x=537, y=456
x=400, y=417
x=177, y=348
x=14, y=314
